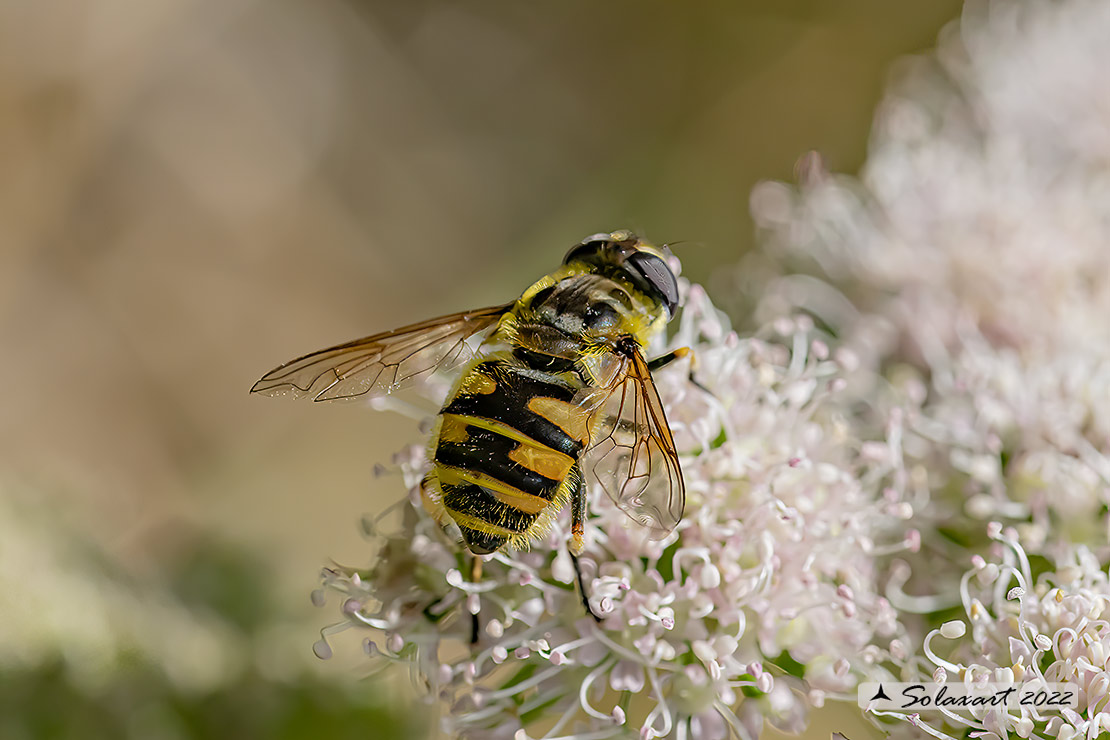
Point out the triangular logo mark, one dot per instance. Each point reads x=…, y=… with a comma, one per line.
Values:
x=880, y=694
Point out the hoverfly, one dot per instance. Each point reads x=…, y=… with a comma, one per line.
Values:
x=559, y=373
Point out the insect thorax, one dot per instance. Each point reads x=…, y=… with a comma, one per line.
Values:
x=574, y=313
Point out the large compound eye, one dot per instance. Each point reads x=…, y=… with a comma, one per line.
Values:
x=590, y=248
x=654, y=272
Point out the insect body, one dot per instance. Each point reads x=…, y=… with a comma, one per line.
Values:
x=560, y=375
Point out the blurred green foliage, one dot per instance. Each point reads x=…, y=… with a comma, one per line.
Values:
x=139, y=700
x=141, y=704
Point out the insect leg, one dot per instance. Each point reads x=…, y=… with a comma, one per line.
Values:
x=578, y=534
x=678, y=354
x=475, y=576
x=577, y=512
x=582, y=588
x=667, y=359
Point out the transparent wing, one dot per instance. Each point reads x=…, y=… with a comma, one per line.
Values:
x=634, y=457
x=382, y=363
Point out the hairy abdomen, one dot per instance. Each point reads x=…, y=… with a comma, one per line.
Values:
x=506, y=445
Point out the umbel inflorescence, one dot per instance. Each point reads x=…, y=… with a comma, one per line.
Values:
x=968, y=267
x=763, y=601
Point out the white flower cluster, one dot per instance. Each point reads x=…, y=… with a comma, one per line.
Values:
x=985, y=195
x=767, y=589
x=970, y=267
x=1055, y=628
x=978, y=243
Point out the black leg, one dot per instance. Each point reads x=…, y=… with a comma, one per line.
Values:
x=667, y=359
x=582, y=588
x=664, y=360
x=577, y=511
x=475, y=576
x=578, y=532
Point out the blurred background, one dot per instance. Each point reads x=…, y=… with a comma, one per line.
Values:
x=194, y=191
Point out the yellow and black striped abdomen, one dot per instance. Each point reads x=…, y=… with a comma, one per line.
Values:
x=508, y=440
